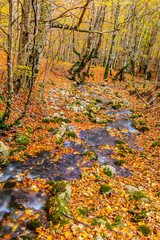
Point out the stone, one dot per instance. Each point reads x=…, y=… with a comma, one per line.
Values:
x=22, y=139
x=109, y=168
x=61, y=131
x=4, y=154
x=136, y=194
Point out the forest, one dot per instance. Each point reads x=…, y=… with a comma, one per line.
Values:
x=79, y=119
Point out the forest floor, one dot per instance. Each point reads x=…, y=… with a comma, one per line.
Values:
x=97, y=104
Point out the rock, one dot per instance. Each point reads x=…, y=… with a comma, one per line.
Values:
x=57, y=115
x=61, y=187
x=91, y=154
x=34, y=224
x=4, y=154
x=22, y=139
x=46, y=120
x=61, y=131
x=131, y=189
x=136, y=194
x=109, y=168
x=56, y=108
x=106, y=189
x=95, y=109
x=58, y=203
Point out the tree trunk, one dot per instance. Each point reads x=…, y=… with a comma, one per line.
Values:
x=9, y=64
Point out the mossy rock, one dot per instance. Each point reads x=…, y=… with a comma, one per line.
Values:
x=106, y=189
x=143, y=129
x=59, y=140
x=46, y=120
x=155, y=144
x=71, y=134
x=134, y=124
x=119, y=162
x=60, y=187
x=134, y=116
x=108, y=172
x=92, y=155
x=26, y=237
x=142, y=123
x=121, y=154
x=77, y=120
x=136, y=194
x=117, y=222
x=130, y=151
x=4, y=154
x=120, y=147
x=98, y=100
x=101, y=220
x=51, y=129
x=138, y=216
x=140, y=196
x=55, y=207
x=119, y=141
x=145, y=230
x=22, y=139
x=83, y=211
x=32, y=225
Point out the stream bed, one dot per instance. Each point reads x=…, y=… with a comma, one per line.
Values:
x=67, y=168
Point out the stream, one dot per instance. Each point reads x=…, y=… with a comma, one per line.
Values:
x=66, y=168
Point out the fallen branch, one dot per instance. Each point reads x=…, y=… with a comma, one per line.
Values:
x=139, y=95
x=76, y=220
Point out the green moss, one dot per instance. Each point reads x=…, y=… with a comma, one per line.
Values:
x=26, y=237
x=144, y=128
x=101, y=220
x=51, y=129
x=22, y=139
x=46, y=120
x=57, y=187
x=98, y=100
x=98, y=177
x=134, y=124
x=119, y=162
x=116, y=106
x=83, y=211
x=139, y=195
x=130, y=151
x=155, y=144
x=55, y=207
x=107, y=172
x=134, y=116
x=145, y=230
x=105, y=189
x=34, y=224
x=71, y=134
x=117, y=222
x=142, y=123
x=59, y=140
x=120, y=146
x=121, y=154
x=143, y=155
x=138, y=216
x=92, y=155
x=119, y=141
x=77, y=120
